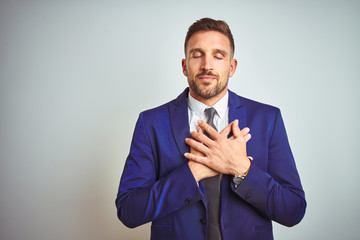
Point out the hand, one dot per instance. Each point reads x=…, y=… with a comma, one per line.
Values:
x=222, y=154
x=200, y=171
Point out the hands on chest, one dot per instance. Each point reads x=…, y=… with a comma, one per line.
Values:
x=218, y=154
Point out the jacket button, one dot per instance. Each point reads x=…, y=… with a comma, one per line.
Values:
x=187, y=201
x=247, y=197
x=203, y=221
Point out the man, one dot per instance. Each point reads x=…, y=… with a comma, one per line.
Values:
x=217, y=182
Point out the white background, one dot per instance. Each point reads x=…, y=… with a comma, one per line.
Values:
x=74, y=75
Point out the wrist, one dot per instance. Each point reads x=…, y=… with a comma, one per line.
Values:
x=244, y=168
x=237, y=179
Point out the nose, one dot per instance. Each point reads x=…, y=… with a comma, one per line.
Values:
x=207, y=63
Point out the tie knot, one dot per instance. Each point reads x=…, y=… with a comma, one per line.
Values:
x=210, y=112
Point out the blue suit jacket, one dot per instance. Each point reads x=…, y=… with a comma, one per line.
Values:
x=157, y=185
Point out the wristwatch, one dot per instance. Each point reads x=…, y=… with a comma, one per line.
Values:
x=237, y=179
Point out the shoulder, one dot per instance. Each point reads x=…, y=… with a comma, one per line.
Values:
x=251, y=105
x=156, y=113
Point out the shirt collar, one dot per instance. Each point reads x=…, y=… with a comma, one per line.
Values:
x=198, y=107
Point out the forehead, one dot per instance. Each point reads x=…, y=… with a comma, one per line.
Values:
x=209, y=40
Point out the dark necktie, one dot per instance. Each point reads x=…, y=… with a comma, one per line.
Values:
x=212, y=190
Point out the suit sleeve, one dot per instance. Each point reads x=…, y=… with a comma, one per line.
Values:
x=142, y=196
x=277, y=192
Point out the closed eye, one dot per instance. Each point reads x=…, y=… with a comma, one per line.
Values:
x=197, y=54
x=218, y=56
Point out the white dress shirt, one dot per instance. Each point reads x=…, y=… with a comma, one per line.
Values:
x=196, y=112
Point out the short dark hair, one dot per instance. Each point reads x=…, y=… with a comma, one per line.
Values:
x=209, y=24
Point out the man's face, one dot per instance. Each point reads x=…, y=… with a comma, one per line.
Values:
x=208, y=65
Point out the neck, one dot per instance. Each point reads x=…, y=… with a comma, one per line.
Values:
x=211, y=101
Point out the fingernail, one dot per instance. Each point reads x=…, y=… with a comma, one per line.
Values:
x=199, y=121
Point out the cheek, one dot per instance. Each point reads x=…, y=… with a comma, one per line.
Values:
x=190, y=72
x=193, y=65
x=226, y=69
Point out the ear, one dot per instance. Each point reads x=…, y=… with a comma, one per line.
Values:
x=183, y=64
x=233, y=66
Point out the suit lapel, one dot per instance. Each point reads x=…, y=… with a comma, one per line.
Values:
x=179, y=120
x=237, y=110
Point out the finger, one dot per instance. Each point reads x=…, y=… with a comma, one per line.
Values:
x=195, y=158
x=204, y=138
x=247, y=137
x=210, y=130
x=194, y=151
x=201, y=137
x=241, y=134
x=197, y=145
x=245, y=131
x=227, y=130
x=200, y=129
x=235, y=129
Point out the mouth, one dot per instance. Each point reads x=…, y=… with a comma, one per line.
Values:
x=207, y=78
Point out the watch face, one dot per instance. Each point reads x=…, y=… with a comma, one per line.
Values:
x=237, y=180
